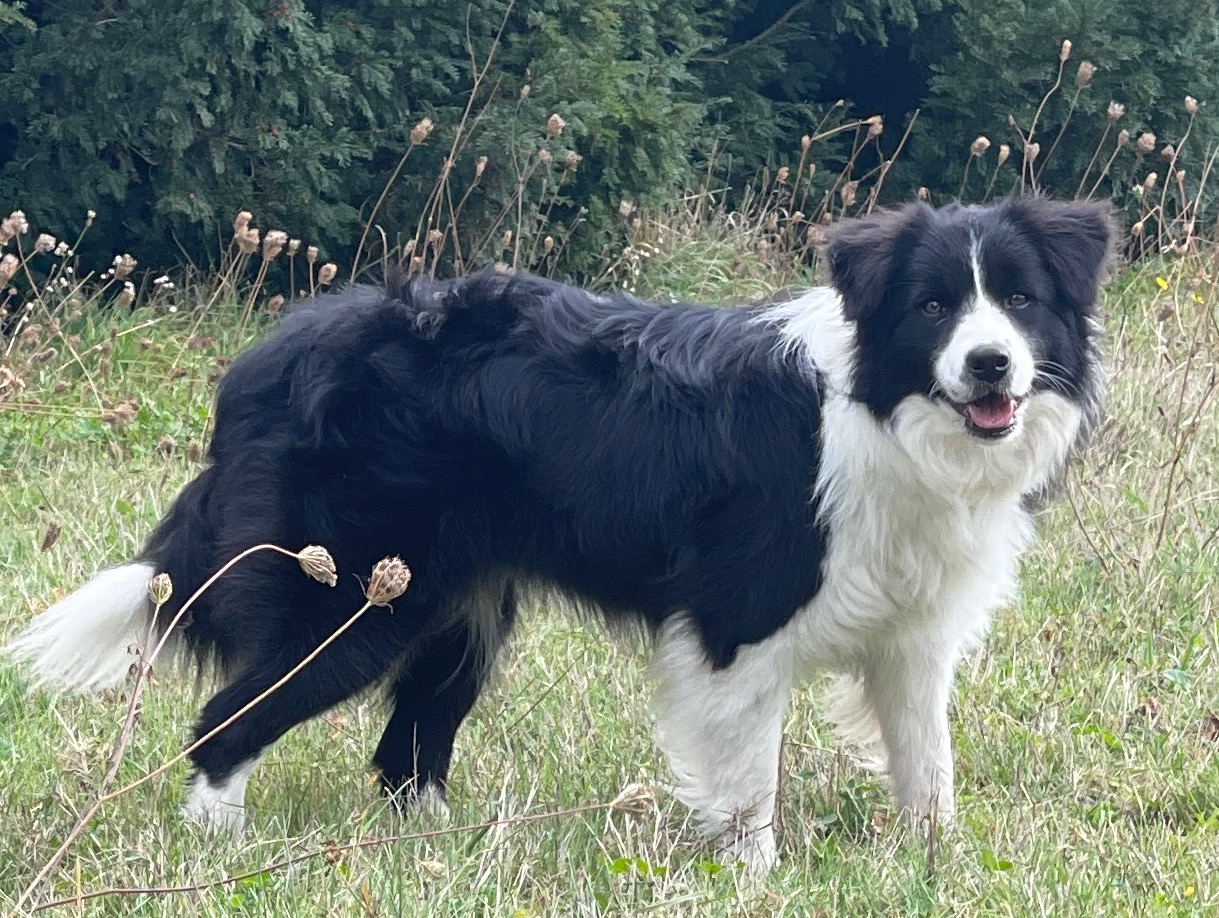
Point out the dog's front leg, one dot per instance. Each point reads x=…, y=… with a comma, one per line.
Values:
x=721, y=731
x=907, y=679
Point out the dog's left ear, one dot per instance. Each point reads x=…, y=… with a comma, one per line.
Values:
x=1077, y=239
x=860, y=254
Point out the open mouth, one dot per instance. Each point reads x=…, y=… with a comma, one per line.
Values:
x=992, y=416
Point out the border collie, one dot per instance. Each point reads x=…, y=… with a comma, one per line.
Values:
x=841, y=482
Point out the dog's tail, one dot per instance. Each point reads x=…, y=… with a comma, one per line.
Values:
x=87, y=641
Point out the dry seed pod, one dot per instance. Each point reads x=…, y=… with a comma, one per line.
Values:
x=420, y=132
x=318, y=563
x=160, y=588
x=390, y=578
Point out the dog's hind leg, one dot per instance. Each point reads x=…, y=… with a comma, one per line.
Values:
x=223, y=764
x=432, y=696
x=721, y=730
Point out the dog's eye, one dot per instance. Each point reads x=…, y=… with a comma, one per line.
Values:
x=933, y=308
x=1016, y=301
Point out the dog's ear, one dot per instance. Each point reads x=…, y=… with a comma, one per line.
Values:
x=860, y=254
x=1077, y=240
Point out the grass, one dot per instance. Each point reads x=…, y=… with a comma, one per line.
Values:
x=1085, y=731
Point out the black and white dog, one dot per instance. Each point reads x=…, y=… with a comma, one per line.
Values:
x=844, y=482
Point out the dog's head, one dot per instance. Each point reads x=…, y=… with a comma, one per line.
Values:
x=974, y=321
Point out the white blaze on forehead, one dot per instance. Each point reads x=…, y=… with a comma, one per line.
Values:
x=982, y=323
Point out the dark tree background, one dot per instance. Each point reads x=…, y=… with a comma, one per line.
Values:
x=166, y=118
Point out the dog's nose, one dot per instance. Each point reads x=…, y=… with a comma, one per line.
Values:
x=988, y=364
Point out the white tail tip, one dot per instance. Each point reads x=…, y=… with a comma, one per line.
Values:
x=81, y=644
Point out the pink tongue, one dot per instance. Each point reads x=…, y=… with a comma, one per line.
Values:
x=991, y=415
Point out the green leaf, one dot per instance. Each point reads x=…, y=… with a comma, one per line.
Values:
x=993, y=863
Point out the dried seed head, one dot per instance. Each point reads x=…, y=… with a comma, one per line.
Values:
x=8, y=267
x=434, y=236
x=1150, y=182
x=923, y=193
x=635, y=798
x=1116, y=110
x=248, y=241
x=241, y=222
x=626, y=208
x=1168, y=152
x=311, y=254
x=848, y=192
x=980, y=145
x=167, y=445
x=420, y=132
x=318, y=564
x=1180, y=176
x=1004, y=152
x=876, y=126
x=390, y=578
x=782, y=174
x=548, y=244
x=571, y=159
x=805, y=143
x=544, y=155
x=13, y=225
x=555, y=125
x=275, y=304
x=480, y=167
x=44, y=243
x=525, y=92
x=1137, y=229
x=274, y=244
x=1064, y=50
x=1083, y=76
x=416, y=264
x=1031, y=151
x=327, y=273
x=1191, y=105
x=127, y=294
x=160, y=588
x=1123, y=138
x=1146, y=142
x=505, y=241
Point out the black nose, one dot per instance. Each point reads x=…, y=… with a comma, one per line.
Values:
x=988, y=364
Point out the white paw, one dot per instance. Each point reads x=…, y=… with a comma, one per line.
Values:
x=756, y=850
x=943, y=813
x=218, y=807
x=430, y=802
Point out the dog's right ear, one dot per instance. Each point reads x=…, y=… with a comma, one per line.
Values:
x=860, y=254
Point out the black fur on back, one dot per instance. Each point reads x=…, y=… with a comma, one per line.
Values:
x=649, y=460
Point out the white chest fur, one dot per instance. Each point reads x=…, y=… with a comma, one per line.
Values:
x=911, y=546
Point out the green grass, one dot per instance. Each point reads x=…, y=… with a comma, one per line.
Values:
x=1085, y=730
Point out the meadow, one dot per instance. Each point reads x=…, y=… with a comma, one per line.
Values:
x=1085, y=730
